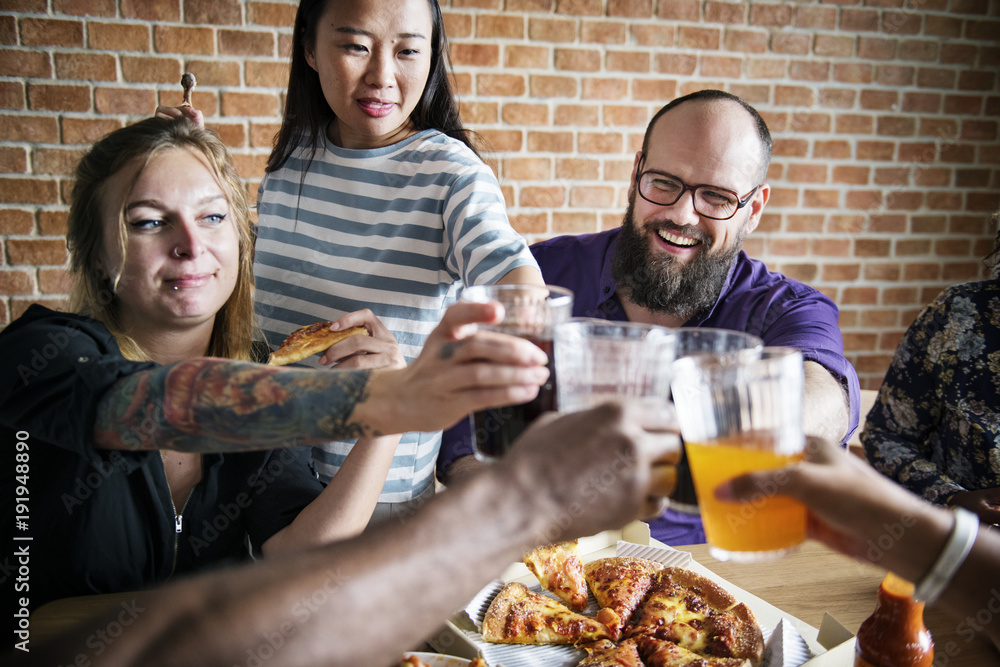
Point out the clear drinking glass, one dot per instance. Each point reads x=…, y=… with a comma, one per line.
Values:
x=694, y=341
x=740, y=415
x=598, y=360
x=531, y=312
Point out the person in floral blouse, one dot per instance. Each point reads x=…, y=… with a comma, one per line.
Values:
x=935, y=427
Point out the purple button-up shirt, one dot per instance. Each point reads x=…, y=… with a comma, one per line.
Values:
x=781, y=311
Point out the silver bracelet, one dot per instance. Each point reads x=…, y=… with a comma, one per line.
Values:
x=959, y=544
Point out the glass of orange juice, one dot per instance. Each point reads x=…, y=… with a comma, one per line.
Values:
x=693, y=341
x=740, y=414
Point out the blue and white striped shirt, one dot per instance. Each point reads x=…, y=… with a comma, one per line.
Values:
x=396, y=229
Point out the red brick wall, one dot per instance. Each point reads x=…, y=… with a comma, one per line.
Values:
x=884, y=112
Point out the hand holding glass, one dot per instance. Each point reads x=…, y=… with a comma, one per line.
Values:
x=600, y=361
x=739, y=415
x=531, y=312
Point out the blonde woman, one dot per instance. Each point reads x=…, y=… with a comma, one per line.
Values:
x=155, y=444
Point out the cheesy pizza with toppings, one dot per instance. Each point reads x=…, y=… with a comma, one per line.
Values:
x=697, y=614
x=559, y=570
x=606, y=653
x=650, y=616
x=619, y=584
x=518, y=615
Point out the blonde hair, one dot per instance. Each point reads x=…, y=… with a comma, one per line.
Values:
x=93, y=292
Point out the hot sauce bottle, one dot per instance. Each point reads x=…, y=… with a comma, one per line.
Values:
x=894, y=635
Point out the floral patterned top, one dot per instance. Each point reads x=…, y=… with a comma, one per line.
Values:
x=935, y=427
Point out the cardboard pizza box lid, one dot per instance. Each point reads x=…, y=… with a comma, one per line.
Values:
x=838, y=642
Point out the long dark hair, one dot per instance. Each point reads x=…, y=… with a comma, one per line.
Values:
x=93, y=293
x=307, y=112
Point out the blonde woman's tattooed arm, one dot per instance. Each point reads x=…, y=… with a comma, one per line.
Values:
x=212, y=405
x=209, y=405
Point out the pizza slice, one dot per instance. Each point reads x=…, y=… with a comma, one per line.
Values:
x=662, y=653
x=518, y=615
x=309, y=340
x=560, y=571
x=606, y=653
x=699, y=615
x=619, y=584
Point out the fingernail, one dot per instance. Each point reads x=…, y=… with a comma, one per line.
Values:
x=499, y=312
x=527, y=393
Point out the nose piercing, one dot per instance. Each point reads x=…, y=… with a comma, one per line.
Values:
x=176, y=253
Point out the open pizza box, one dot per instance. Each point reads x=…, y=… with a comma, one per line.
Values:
x=790, y=641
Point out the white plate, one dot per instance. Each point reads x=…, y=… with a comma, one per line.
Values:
x=438, y=660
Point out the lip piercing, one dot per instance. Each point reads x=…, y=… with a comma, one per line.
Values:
x=176, y=288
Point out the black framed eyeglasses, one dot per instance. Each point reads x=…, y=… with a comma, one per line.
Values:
x=710, y=201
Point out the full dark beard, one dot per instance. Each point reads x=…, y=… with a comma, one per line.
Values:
x=659, y=283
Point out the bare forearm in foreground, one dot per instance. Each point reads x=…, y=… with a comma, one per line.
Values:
x=358, y=602
x=853, y=506
x=365, y=600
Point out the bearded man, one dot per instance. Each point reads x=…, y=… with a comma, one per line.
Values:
x=698, y=189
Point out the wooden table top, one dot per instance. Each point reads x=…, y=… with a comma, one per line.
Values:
x=817, y=580
x=54, y=617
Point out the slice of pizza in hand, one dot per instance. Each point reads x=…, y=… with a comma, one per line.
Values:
x=606, y=653
x=309, y=340
x=518, y=615
x=619, y=583
x=662, y=653
x=696, y=613
x=560, y=571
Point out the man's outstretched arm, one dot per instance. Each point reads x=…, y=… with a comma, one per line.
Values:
x=368, y=599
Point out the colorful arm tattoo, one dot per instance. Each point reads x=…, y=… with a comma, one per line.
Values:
x=215, y=405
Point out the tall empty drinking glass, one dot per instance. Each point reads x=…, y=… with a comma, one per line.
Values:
x=740, y=415
x=704, y=340
x=599, y=361
x=531, y=312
